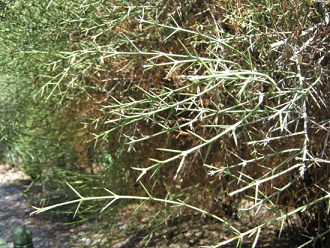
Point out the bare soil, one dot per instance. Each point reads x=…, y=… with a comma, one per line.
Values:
x=15, y=210
x=186, y=230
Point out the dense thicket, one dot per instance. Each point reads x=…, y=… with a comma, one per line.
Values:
x=221, y=104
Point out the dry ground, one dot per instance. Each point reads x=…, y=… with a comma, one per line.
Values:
x=189, y=230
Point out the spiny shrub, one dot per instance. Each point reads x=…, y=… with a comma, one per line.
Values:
x=217, y=103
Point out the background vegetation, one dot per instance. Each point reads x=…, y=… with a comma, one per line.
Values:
x=221, y=107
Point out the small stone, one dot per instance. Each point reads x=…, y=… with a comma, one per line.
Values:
x=86, y=241
x=191, y=241
x=122, y=227
x=199, y=235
